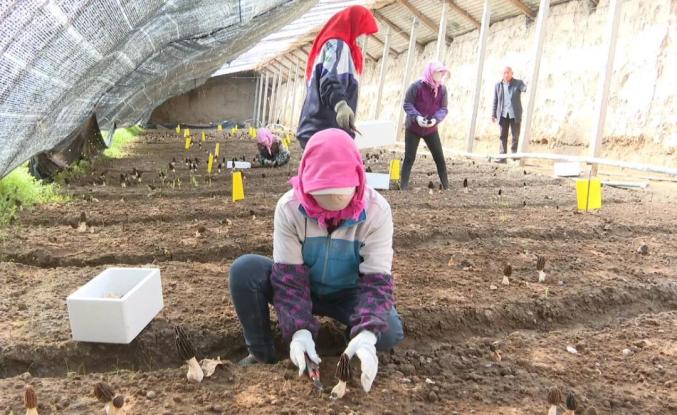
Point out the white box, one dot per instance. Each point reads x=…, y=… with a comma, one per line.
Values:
x=378, y=181
x=115, y=305
x=567, y=169
x=377, y=133
x=238, y=164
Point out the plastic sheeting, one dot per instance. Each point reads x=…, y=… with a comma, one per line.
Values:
x=66, y=60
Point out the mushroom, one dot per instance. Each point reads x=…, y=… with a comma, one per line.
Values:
x=30, y=400
x=343, y=374
x=540, y=266
x=554, y=399
x=571, y=404
x=431, y=185
x=82, y=223
x=495, y=354
x=188, y=354
x=507, y=272
x=104, y=393
x=465, y=185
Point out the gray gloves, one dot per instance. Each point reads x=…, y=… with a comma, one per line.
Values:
x=345, y=117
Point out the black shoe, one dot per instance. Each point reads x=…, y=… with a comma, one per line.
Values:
x=501, y=161
x=248, y=361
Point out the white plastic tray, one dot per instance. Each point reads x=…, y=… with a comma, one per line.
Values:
x=378, y=181
x=377, y=133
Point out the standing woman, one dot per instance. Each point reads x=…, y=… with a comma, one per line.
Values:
x=333, y=63
x=426, y=107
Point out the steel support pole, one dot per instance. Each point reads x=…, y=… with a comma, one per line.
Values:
x=605, y=80
x=293, y=95
x=537, y=54
x=382, y=75
x=260, y=101
x=271, y=110
x=256, y=99
x=481, y=51
x=407, y=73
x=442, y=33
x=264, y=114
x=287, y=91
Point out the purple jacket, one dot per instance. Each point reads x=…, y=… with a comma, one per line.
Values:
x=420, y=100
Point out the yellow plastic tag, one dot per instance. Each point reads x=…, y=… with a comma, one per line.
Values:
x=178, y=128
x=238, y=186
x=589, y=194
x=187, y=143
x=219, y=128
x=395, y=169
x=216, y=150
x=210, y=163
x=204, y=136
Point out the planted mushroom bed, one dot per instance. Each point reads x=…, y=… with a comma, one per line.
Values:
x=512, y=302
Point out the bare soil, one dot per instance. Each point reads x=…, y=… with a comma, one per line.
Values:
x=601, y=296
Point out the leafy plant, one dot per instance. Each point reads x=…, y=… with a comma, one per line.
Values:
x=121, y=139
x=19, y=190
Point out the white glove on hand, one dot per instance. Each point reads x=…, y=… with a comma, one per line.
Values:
x=345, y=117
x=302, y=343
x=421, y=121
x=432, y=123
x=364, y=345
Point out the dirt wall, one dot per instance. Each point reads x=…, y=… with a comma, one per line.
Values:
x=641, y=120
x=227, y=97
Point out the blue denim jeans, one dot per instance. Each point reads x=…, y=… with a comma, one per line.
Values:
x=251, y=292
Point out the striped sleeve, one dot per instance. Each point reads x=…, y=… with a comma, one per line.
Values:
x=338, y=70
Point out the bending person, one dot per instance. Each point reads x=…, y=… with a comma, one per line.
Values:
x=331, y=74
x=271, y=151
x=332, y=256
x=426, y=106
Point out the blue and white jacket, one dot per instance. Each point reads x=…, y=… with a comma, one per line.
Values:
x=333, y=80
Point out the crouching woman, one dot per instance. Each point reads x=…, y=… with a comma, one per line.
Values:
x=332, y=256
x=271, y=150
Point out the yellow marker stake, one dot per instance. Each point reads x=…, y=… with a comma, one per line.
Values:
x=178, y=128
x=589, y=194
x=238, y=186
x=216, y=150
x=210, y=163
x=204, y=136
x=187, y=143
x=395, y=170
x=219, y=128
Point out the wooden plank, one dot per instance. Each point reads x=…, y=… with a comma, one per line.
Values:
x=524, y=8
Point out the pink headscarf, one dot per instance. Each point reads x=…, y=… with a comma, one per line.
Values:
x=429, y=71
x=266, y=138
x=330, y=160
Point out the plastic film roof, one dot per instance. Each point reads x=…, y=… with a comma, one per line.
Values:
x=64, y=60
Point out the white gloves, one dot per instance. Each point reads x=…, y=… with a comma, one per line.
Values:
x=421, y=121
x=364, y=345
x=301, y=344
x=345, y=117
x=432, y=123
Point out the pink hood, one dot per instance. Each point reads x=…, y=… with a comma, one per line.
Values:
x=330, y=160
x=429, y=71
x=266, y=138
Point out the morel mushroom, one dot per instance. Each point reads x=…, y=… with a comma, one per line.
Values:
x=82, y=223
x=554, y=399
x=118, y=403
x=30, y=401
x=465, y=185
x=540, y=266
x=188, y=354
x=343, y=374
x=104, y=393
x=507, y=272
x=571, y=404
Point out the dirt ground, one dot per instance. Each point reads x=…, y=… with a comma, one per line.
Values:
x=615, y=306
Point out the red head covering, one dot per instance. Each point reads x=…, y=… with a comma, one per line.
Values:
x=331, y=160
x=346, y=25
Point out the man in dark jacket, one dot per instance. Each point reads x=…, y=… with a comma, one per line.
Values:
x=507, y=109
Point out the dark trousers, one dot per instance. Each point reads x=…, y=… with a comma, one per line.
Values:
x=514, y=126
x=411, y=141
x=251, y=292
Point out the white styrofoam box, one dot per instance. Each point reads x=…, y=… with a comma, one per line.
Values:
x=572, y=169
x=377, y=133
x=115, y=305
x=238, y=164
x=378, y=181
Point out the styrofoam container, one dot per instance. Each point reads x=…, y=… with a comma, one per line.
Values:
x=115, y=305
x=238, y=164
x=378, y=181
x=377, y=133
x=567, y=169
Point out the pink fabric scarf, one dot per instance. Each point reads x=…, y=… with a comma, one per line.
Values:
x=429, y=71
x=331, y=159
x=266, y=139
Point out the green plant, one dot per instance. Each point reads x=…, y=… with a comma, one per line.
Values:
x=77, y=169
x=19, y=190
x=121, y=138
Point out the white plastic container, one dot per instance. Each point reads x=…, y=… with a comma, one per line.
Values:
x=378, y=181
x=378, y=133
x=238, y=164
x=567, y=169
x=115, y=305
